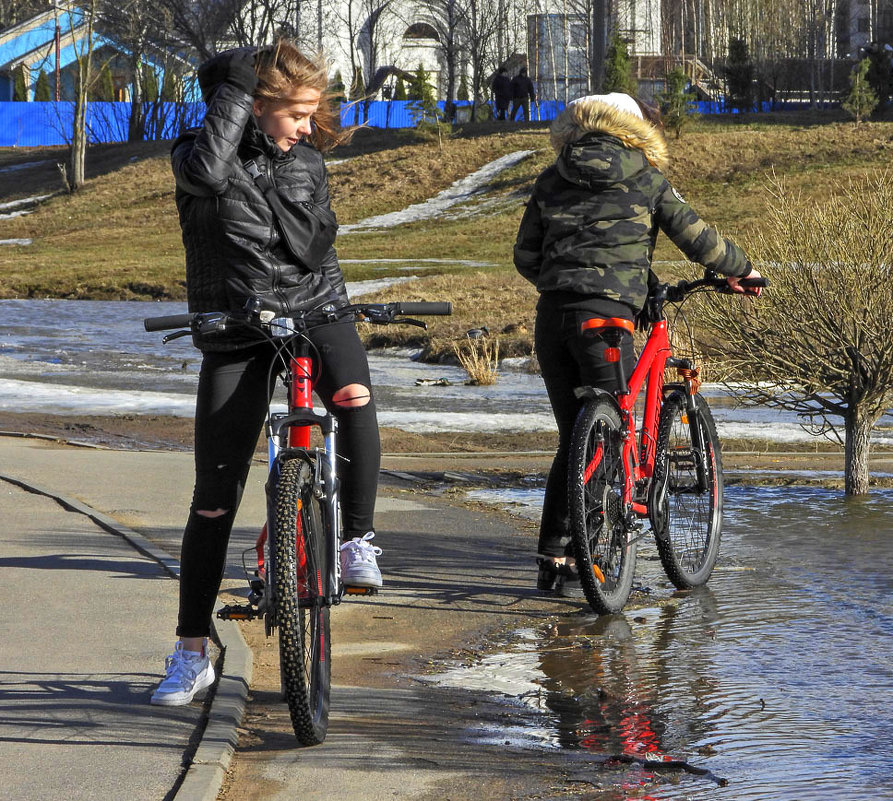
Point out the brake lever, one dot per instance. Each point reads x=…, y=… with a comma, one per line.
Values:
x=410, y=321
x=176, y=335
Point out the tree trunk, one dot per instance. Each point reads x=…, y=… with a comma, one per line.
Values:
x=856, y=450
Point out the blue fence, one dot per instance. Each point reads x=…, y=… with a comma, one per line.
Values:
x=45, y=124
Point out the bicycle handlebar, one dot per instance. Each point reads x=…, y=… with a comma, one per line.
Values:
x=678, y=292
x=378, y=313
x=438, y=308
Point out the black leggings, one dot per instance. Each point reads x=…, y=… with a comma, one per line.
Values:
x=234, y=391
x=568, y=359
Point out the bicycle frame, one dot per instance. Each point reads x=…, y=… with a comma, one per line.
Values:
x=292, y=431
x=638, y=454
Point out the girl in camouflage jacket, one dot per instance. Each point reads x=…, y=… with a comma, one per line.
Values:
x=586, y=242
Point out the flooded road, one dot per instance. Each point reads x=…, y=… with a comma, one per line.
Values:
x=774, y=682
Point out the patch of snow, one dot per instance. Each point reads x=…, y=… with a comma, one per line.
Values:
x=16, y=241
x=24, y=165
x=24, y=202
x=458, y=192
x=356, y=289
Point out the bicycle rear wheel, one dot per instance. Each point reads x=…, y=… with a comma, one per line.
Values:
x=302, y=617
x=606, y=559
x=687, y=491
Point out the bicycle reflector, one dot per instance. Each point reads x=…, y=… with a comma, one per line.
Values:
x=612, y=355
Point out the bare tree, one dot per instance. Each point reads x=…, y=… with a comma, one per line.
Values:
x=13, y=12
x=447, y=20
x=83, y=29
x=480, y=20
x=818, y=341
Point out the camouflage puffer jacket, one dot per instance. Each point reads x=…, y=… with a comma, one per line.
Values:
x=592, y=221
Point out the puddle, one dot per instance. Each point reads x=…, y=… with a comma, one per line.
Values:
x=775, y=677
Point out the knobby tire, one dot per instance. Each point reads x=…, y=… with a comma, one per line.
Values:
x=299, y=586
x=686, y=509
x=606, y=558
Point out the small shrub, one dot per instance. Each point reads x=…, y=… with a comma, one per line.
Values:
x=480, y=359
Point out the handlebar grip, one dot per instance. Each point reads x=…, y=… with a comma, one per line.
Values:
x=441, y=308
x=754, y=283
x=169, y=322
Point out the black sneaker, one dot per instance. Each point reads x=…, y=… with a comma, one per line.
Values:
x=568, y=586
x=547, y=576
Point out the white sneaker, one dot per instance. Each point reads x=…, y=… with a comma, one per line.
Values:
x=358, y=565
x=186, y=672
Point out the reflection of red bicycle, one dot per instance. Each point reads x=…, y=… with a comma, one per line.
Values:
x=671, y=473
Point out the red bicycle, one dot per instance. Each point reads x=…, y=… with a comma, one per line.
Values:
x=670, y=472
x=298, y=574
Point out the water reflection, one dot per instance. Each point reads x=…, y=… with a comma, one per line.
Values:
x=777, y=676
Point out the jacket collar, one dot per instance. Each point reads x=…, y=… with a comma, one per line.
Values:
x=591, y=116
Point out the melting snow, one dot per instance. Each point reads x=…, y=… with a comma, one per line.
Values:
x=460, y=191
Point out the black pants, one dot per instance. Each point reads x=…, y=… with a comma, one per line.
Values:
x=520, y=103
x=234, y=391
x=568, y=359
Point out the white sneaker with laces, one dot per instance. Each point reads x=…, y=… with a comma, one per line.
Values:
x=186, y=672
x=358, y=565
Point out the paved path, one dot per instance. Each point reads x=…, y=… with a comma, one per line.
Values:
x=90, y=585
x=89, y=617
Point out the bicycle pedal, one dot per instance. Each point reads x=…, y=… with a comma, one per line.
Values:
x=348, y=590
x=238, y=612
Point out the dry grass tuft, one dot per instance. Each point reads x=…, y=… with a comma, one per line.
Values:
x=480, y=359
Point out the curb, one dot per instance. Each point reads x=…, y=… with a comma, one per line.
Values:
x=206, y=771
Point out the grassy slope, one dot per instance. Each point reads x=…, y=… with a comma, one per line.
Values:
x=119, y=238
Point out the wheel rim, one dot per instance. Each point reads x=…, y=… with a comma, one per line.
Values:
x=690, y=509
x=602, y=505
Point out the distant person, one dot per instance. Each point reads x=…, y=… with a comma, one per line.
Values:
x=586, y=242
x=523, y=94
x=502, y=93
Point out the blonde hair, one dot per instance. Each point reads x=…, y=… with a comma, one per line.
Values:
x=282, y=70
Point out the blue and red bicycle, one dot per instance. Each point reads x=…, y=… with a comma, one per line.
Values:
x=298, y=574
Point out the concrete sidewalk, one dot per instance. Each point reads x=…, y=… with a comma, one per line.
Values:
x=90, y=539
x=90, y=607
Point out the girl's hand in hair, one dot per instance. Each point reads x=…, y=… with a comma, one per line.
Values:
x=235, y=67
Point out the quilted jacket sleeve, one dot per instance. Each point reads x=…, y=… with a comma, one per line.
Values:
x=330, y=267
x=204, y=158
x=528, y=252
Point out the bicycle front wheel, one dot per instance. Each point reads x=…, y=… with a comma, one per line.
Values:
x=687, y=491
x=301, y=614
x=606, y=558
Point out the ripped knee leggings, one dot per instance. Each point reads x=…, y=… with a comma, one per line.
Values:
x=233, y=395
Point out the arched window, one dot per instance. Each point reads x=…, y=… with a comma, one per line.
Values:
x=421, y=30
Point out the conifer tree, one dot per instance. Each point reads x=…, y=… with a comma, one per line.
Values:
x=400, y=89
x=862, y=99
x=462, y=91
x=20, y=91
x=739, y=75
x=42, y=88
x=618, y=68
x=676, y=102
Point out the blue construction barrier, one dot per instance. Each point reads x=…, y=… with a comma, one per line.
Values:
x=46, y=124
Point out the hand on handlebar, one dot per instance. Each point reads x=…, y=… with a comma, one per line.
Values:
x=735, y=284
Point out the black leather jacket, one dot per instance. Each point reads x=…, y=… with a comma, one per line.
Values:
x=234, y=250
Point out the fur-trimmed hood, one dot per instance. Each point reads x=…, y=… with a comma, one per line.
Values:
x=582, y=136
